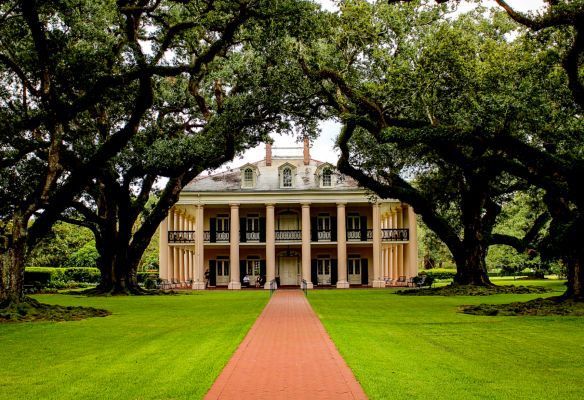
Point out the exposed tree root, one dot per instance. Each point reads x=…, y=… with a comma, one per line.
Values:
x=32, y=310
x=537, y=307
x=472, y=290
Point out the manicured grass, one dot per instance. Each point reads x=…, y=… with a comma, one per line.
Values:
x=421, y=348
x=152, y=347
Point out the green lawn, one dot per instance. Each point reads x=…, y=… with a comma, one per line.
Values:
x=152, y=347
x=420, y=347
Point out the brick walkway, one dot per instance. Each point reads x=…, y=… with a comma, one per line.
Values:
x=287, y=354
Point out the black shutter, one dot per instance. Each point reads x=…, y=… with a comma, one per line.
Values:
x=313, y=230
x=334, y=272
x=213, y=230
x=212, y=273
x=262, y=230
x=364, y=228
x=313, y=272
x=364, y=271
x=242, y=229
x=263, y=269
x=334, y=229
x=242, y=270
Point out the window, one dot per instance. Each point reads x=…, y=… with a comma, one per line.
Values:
x=222, y=266
x=354, y=266
x=248, y=177
x=287, y=177
x=324, y=222
x=253, y=223
x=253, y=266
x=353, y=222
x=327, y=178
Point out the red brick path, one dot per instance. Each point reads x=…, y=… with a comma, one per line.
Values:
x=287, y=354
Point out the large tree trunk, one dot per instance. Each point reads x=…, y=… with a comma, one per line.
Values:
x=12, y=265
x=575, y=289
x=471, y=267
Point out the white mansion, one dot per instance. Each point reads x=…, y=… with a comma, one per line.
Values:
x=286, y=219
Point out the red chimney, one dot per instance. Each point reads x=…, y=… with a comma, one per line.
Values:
x=268, y=154
x=306, y=151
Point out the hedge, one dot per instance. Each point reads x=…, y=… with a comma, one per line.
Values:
x=53, y=276
x=439, y=273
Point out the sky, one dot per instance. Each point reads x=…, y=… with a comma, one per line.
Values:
x=322, y=148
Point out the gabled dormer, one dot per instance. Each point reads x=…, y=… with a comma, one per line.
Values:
x=325, y=175
x=286, y=175
x=249, y=174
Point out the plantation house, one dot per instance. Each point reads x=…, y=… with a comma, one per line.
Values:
x=288, y=219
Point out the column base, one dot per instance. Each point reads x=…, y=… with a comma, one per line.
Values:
x=378, y=283
x=309, y=285
x=234, y=285
x=267, y=285
x=342, y=285
x=199, y=286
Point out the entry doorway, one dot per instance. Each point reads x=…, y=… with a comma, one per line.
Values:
x=323, y=271
x=222, y=271
x=289, y=270
x=354, y=271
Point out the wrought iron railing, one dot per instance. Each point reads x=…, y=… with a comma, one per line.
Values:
x=395, y=235
x=292, y=235
x=222, y=236
x=324, y=235
x=207, y=236
x=273, y=286
x=353, y=234
x=252, y=236
x=181, y=236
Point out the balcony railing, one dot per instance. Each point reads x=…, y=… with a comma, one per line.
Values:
x=395, y=235
x=222, y=236
x=387, y=235
x=252, y=236
x=181, y=236
x=292, y=235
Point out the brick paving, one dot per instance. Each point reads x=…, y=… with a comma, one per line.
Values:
x=287, y=354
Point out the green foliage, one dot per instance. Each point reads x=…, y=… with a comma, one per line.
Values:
x=56, y=249
x=439, y=274
x=85, y=257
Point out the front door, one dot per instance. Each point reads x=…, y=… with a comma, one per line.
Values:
x=354, y=270
x=222, y=272
x=288, y=270
x=323, y=270
x=253, y=271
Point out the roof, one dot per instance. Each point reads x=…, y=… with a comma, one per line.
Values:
x=267, y=178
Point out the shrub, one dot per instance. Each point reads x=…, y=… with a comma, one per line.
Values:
x=85, y=257
x=85, y=275
x=439, y=273
x=142, y=276
x=151, y=283
x=60, y=278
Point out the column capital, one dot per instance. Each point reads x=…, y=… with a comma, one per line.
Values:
x=270, y=204
x=234, y=205
x=341, y=204
x=305, y=204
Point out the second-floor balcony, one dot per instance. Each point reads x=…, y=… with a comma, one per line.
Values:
x=387, y=235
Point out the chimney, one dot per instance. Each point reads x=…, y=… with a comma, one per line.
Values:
x=306, y=151
x=268, y=154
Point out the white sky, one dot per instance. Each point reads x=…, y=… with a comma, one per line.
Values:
x=322, y=148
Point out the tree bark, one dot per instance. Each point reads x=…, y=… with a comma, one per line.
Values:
x=12, y=264
x=471, y=268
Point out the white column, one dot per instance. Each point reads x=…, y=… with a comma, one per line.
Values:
x=163, y=250
x=377, y=281
x=343, y=282
x=411, y=250
x=400, y=247
x=199, y=278
x=181, y=252
x=176, y=255
x=306, y=244
x=234, y=282
x=270, y=244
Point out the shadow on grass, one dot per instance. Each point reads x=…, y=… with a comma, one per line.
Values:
x=538, y=307
x=470, y=290
x=31, y=310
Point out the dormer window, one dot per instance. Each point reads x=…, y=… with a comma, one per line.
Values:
x=287, y=177
x=324, y=175
x=249, y=173
x=327, y=178
x=248, y=177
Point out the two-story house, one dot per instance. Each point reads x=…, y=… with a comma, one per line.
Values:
x=286, y=219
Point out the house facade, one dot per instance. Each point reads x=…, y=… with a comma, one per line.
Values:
x=289, y=220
